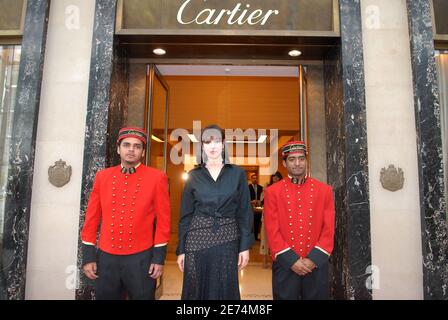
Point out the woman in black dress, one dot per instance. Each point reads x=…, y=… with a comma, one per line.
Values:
x=215, y=227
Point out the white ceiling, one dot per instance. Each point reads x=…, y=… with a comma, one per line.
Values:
x=228, y=70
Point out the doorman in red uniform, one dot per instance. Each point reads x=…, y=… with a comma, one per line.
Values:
x=299, y=216
x=131, y=203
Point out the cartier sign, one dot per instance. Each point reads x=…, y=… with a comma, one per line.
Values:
x=238, y=15
x=150, y=16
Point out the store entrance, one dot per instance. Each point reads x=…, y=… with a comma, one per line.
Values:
x=260, y=106
x=266, y=90
x=263, y=106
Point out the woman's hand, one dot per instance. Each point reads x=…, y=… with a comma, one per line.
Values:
x=243, y=260
x=180, y=261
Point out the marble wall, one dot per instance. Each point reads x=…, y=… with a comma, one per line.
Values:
x=53, y=237
x=395, y=217
x=336, y=169
x=137, y=77
x=119, y=92
x=433, y=210
x=347, y=158
x=316, y=121
x=22, y=152
x=97, y=118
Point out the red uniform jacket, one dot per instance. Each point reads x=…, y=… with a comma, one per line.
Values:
x=299, y=220
x=127, y=205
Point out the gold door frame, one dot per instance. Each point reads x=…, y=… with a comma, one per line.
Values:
x=303, y=112
x=153, y=74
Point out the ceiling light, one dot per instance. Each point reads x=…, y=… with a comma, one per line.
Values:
x=159, y=51
x=185, y=176
x=294, y=53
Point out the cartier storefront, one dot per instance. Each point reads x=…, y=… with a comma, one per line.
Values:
x=362, y=82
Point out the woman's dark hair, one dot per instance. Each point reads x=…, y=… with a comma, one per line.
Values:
x=209, y=133
x=278, y=175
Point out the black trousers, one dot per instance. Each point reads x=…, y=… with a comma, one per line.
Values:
x=121, y=276
x=288, y=285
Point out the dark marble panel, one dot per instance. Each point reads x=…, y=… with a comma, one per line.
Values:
x=347, y=157
x=316, y=121
x=356, y=171
x=336, y=170
x=119, y=102
x=429, y=144
x=97, y=120
x=136, y=107
x=22, y=151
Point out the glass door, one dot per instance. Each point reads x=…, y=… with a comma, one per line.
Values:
x=156, y=127
x=156, y=118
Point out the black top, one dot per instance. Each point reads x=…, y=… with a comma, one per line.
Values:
x=254, y=196
x=228, y=196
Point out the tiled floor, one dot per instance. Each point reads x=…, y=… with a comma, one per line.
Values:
x=255, y=282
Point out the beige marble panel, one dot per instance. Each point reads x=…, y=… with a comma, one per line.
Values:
x=391, y=132
x=53, y=238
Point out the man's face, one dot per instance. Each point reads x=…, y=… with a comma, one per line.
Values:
x=254, y=179
x=296, y=164
x=131, y=150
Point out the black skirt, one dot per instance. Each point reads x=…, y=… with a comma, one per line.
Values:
x=211, y=259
